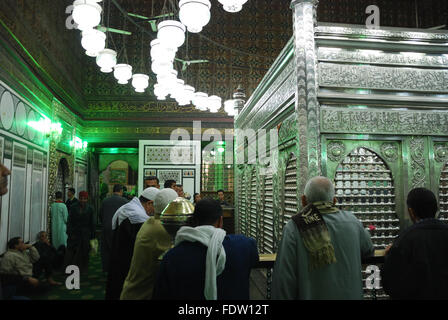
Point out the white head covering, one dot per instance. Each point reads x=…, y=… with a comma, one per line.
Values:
x=150, y=193
x=212, y=238
x=162, y=199
x=134, y=210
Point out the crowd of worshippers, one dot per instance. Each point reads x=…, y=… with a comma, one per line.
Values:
x=319, y=256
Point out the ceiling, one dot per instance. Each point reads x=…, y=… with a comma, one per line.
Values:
x=240, y=47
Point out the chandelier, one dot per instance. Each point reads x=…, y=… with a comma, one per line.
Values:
x=232, y=5
x=87, y=14
x=195, y=14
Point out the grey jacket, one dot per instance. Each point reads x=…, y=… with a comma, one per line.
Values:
x=17, y=262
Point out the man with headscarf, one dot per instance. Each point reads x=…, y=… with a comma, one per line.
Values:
x=205, y=262
x=109, y=206
x=320, y=253
x=152, y=240
x=126, y=224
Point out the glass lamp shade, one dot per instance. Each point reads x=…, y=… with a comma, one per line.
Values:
x=106, y=60
x=171, y=33
x=140, y=82
x=123, y=73
x=168, y=79
x=86, y=13
x=194, y=14
x=177, y=91
x=189, y=93
x=160, y=91
x=201, y=100
x=93, y=41
x=161, y=66
x=214, y=103
x=229, y=107
x=160, y=52
x=232, y=5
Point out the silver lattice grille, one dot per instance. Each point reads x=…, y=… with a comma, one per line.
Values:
x=252, y=206
x=243, y=205
x=290, y=205
x=268, y=216
x=364, y=186
x=443, y=194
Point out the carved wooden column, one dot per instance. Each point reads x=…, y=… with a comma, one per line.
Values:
x=307, y=106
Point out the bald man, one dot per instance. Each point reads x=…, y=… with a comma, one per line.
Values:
x=320, y=252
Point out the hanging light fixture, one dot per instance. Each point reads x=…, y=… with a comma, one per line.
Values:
x=106, y=60
x=140, y=82
x=200, y=100
x=189, y=93
x=214, y=103
x=177, y=91
x=160, y=91
x=194, y=14
x=93, y=41
x=161, y=52
x=161, y=66
x=123, y=73
x=229, y=107
x=167, y=79
x=86, y=13
x=232, y=5
x=171, y=33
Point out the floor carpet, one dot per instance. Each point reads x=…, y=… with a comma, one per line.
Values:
x=92, y=285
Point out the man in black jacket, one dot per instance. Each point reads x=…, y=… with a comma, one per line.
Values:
x=109, y=206
x=416, y=266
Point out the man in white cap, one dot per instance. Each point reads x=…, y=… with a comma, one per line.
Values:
x=152, y=240
x=125, y=225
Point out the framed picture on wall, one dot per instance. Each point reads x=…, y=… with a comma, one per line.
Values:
x=188, y=173
x=150, y=172
x=165, y=175
x=118, y=176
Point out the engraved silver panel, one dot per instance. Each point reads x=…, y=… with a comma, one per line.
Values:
x=387, y=78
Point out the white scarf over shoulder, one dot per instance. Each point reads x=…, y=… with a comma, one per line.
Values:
x=133, y=211
x=212, y=238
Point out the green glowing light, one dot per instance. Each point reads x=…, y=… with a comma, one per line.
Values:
x=221, y=150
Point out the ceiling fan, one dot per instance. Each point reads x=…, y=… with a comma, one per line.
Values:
x=186, y=63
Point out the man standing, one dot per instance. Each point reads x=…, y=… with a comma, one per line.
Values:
x=152, y=181
x=59, y=216
x=152, y=240
x=180, y=190
x=125, y=225
x=71, y=198
x=221, y=198
x=109, y=206
x=320, y=252
x=170, y=184
x=205, y=262
x=416, y=265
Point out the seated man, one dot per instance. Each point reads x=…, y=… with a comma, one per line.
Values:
x=152, y=240
x=416, y=265
x=18, y=261
x=204, y=252
x=50, y=258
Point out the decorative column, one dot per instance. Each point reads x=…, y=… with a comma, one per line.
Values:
x=239, y=99
x=307, y=106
